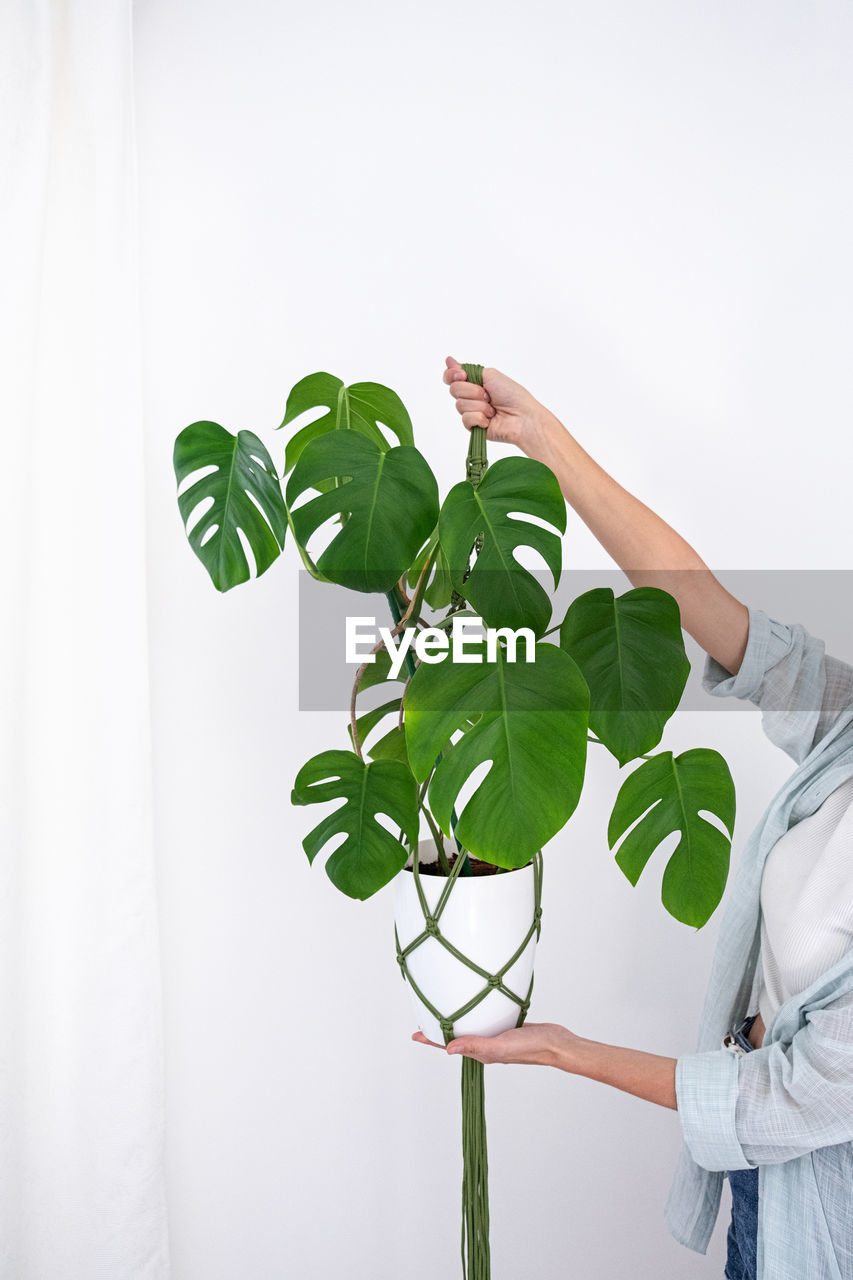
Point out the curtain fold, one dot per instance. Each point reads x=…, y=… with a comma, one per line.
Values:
x=82, y=1193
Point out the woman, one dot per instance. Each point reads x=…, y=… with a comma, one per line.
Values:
x=767, y=1098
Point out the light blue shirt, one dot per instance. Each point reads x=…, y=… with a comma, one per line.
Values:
x=788, y=1106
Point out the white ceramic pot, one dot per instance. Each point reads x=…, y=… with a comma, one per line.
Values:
x=487, y=918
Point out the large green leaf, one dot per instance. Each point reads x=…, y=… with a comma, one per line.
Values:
x=631, y=652
x=370, y=856
x=674, y=790
x=503, y=592
x=246, y=495
x=390, y=499
x=532, y=726
x=360, y=407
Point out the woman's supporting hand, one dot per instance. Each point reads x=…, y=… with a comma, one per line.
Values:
x=510, y=414
x=547, y=1044
x=542, y=1043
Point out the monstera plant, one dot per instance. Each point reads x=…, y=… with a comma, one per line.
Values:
x=525, y=694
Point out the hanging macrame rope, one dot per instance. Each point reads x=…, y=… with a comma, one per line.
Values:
x=475, y=468
x=475, y=1173
x=475, y=1165
x=476, y=1264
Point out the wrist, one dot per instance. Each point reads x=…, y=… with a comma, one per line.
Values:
x=541, y=434
x=573, y=1053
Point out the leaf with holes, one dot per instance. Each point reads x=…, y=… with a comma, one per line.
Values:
x=360, y=407
x=502, y=591
x=532, y=726
x=390, y=499
x=370, y=856
x=670, y=792
x=631, y=652
x=245, y=495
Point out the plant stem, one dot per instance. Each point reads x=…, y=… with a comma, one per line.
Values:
x=475, y=468
x=397, y=615
x=437, y=838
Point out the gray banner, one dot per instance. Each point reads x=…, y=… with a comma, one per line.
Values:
x=819, y=599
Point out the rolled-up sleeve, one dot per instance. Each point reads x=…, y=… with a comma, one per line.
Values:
x=706, y=1094
x=786, y=673
x=775, y=1103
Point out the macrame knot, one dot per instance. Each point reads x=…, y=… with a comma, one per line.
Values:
x=446, y=1027
x=537, y=914
x=401, y=959
x=432, y=926
x=495, y=980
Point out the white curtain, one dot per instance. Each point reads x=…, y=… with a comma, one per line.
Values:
x=81, y=1095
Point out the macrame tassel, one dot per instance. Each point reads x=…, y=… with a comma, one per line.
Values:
x=476, y=1264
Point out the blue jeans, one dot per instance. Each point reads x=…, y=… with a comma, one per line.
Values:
x=742, y=1239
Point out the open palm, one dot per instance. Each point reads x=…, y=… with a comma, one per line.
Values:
x=536, y=1043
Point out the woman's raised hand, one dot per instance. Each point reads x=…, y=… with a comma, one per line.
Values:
x=505, y=408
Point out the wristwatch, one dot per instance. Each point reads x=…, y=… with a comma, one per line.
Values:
x=737, y=1041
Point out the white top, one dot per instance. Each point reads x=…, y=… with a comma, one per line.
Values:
x=807, y=901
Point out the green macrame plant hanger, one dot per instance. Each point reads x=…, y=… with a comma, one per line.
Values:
x=476, y=1264
x=475, y=1166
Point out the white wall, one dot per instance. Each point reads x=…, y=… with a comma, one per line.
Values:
x=642, y=212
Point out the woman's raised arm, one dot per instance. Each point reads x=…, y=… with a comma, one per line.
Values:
x=644, y=546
